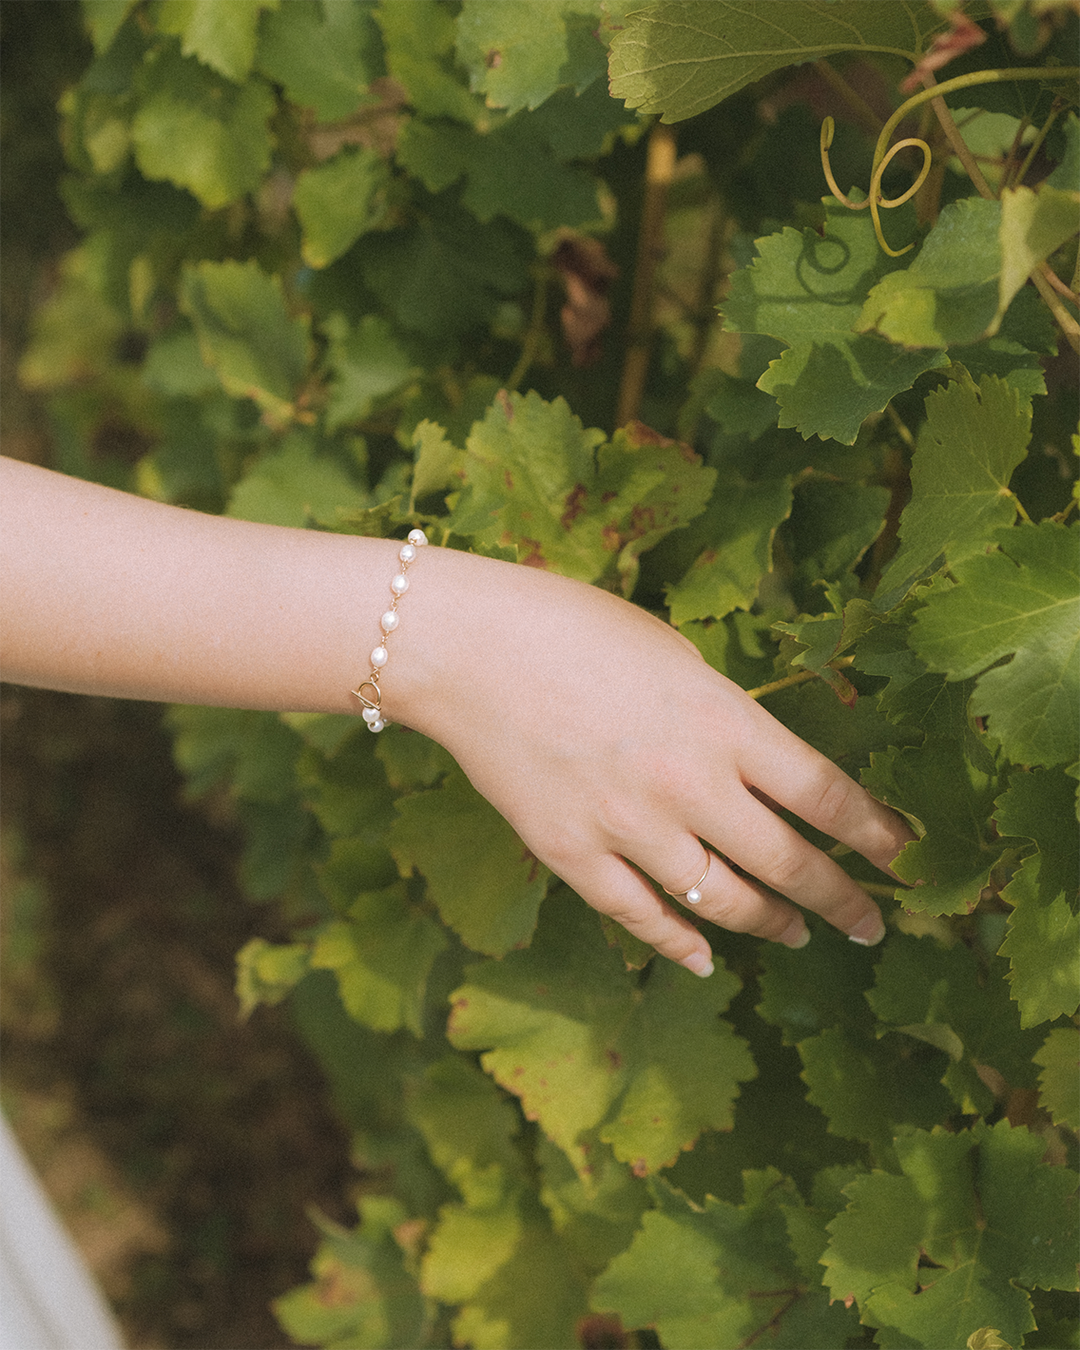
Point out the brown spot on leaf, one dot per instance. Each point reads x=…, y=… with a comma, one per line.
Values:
x=640, y=1168
x=614, y=1057
x=493, y=59
x=575, y=504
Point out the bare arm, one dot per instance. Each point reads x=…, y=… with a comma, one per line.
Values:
x=595, y=729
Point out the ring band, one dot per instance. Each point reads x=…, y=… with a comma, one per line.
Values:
x=693, y=895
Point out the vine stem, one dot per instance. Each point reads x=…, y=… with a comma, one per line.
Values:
x=789, y=681
x=659, y=170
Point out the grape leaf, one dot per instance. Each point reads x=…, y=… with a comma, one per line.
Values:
x=721, y=1274
x=339, y=201
x=324, y=56
x=366, y=362
x=595, y=1216
x=221, y=36
x=444, y=274
x=509, y=171
x=867, y=1091
x=939, y=995
x=103, y=19
x=419, y=42
x=1059, y=1059
x=469, y=1128
x=807, y=290
x=1043, y=946
x=972, y=264
x=825, y=637
x=267, y=972
x=256, y=750
x=535, y=1296
x=571, y=501
x=819, y=987
x=200, y=131
x=246, y=334
x=742, y=519
x=939, y=787
x=680, y=57
x=968, y=447
x=362, y=1295
x=489, y=894
x=381, y=957
x=983, y=1210
x=564, y=1028
x=518, y=55
x=293, y=486
x=1017, y=602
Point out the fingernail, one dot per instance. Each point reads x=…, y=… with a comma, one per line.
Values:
x=795, y=935
x=699, y=964
x=870, y=932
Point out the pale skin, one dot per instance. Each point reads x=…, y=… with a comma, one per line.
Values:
x=598, y=731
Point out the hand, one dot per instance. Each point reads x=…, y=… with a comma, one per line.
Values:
x=619, y=755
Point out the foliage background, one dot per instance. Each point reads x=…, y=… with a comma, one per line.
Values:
x=328, y=247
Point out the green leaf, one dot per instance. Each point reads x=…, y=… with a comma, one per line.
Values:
x=742, y=519
x=565, y=1029
x=972, y=264
x=445, y=274
x=246, y=334
x=596, y=1214
x=200, y=131
x=680, y=57
x=221, y=36
x=535, y=1297
x=294, y=486
x=509, y=171
x=338, y=202
x=949, y=294
x=825, y=637
x=267, y=972
x=867, y=1091
x=519, y=55
x=1034, y=224
x=1043, y=946
x=103, y=19
x=1018, y=602
x=362, y=1297
x=1059, y=1059
x=367, y=363
x=968, y=447
x=939, y=995
x=469, y=1128
x=256, y=750
x=984, y=1214
x=987, y=1338
x=419, y=41
x=489, y=894
x=382, y=958
x=721, y=1274
x=808, y=290
x=938, y=786
x=570, y=501
x=324, y=55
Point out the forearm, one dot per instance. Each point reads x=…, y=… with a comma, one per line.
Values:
x=107, y=593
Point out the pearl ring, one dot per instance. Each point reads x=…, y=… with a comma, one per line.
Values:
x=693, y=895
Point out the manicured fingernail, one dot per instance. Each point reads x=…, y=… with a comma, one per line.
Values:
x=796, y=934
x=870, y=932
x=699, y=964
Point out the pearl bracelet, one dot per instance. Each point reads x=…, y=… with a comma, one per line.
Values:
x=368, y=691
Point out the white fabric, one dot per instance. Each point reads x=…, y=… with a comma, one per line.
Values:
x=48, y=1300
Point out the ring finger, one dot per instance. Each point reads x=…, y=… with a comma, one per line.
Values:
x=725, y=897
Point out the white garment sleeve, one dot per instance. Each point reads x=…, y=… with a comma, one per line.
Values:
x=48, y=1300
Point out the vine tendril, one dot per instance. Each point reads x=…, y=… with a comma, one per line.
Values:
x=883, y=152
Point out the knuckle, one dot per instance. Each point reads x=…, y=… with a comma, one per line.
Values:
x=835, y=799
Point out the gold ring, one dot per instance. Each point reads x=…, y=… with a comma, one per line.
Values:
x=693, y=895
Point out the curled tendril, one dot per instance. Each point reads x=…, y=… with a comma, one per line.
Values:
x=875, y=201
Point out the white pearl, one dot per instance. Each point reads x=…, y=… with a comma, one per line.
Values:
x=400, y=584
x=406, y=553
x=389, y=621
x=371, y=715
x=693, y=895
x=376, y=725
x=417, y=537
x=379, y=657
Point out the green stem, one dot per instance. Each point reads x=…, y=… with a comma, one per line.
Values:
x=974, y=77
